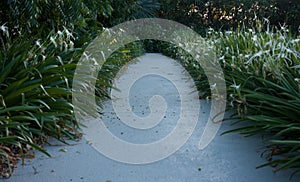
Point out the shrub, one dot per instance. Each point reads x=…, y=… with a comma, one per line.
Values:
x=228, y=14
x=261, y=68
x=40, y=44
x=263, y=86
x=35, y=93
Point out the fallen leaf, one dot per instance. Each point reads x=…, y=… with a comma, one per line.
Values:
x=30, y=156
x=63, y=150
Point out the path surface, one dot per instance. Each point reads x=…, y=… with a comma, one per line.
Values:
x=227, y=158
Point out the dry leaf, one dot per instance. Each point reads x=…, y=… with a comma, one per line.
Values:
x=30, y=156
x=63, y=150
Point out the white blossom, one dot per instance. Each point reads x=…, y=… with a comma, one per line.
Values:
x=5, y=29
x=53, y=41
x=235, y=86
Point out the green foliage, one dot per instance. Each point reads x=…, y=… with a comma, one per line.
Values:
x=113, y=65
x=29, y=16
x=263, y=86
x=131, y=9
x=262, y=74
x=218, y=14
x=40, y=43
x=261, y=68
x=34, y=91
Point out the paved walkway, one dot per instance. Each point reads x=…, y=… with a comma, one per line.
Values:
x=227, y=158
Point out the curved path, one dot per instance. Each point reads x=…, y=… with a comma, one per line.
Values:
x=227, y=158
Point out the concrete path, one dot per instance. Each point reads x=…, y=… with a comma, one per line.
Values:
x=227, y=158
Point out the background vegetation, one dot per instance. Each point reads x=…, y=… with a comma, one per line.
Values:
x=219, y=14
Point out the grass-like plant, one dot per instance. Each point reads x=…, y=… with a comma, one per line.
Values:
x=35, y=93
x=262, y=71
x=262, y=74
x=40, y=44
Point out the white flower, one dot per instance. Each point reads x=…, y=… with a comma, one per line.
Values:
x=247, y=56
x=69, y=34
x=285, y=29
x=59, y=32
x=289, y=50
x=38, y=43
x=295, y=41
x=235, y=86
x=254, y=38
x=53, y=41
x=5, y=29
x=71, y=44
x=258, y=54
x=281, y=37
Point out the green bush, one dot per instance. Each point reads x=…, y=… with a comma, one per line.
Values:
x=131, y=9
x=35, y=92
x=40, y=44
x=46, y=15
x=263, y=86
x=228, y=14
x=262, y=72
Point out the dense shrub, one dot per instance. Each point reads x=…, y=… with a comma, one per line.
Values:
x=219, y=14
x=263, y=86
x=40, y=44
x=35, y=92
x=131, y=9
x=40, y=17
x=262, y=72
